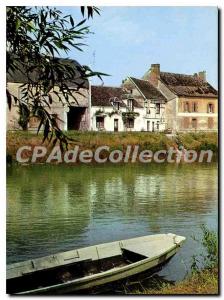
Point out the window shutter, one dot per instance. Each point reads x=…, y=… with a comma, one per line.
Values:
x=185, y=123
x=210, y=123
x=189, y=107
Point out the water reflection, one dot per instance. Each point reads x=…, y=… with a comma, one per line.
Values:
x=56, y=208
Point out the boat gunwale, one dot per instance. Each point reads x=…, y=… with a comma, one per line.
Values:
x=14, y=265
x=102, y=274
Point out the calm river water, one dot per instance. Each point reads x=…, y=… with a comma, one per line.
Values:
x=58, y=208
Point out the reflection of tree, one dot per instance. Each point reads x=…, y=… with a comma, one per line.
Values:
x=55, y=205
x=46, y=209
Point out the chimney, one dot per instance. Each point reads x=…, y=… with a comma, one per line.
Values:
x=154, y=74
x=202, y=75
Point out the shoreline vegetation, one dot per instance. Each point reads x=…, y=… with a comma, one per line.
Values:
x=115, y=141
x=204, y=277
x=204, y=282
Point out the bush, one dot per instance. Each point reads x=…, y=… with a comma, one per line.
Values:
x=209, y=241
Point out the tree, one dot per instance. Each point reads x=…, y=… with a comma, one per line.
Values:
x=36, y=37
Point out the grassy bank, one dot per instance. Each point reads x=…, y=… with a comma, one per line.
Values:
x=119, y=141
x=202, y=283
x=199, y=141
x=204, y=279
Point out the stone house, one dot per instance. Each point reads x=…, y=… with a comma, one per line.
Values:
x=157, y=102
x=152, y=102
x=192, y=103
x=111, y=112
x=135, y=106
x=74, y=115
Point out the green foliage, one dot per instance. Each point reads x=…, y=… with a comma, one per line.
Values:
x=210, y=243
x=199, y=141
x=24, y=116
x=129, y=115
x=35, y=36
x=99, y=112
x=114, y=112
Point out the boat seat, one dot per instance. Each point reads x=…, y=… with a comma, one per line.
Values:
x=150, y=249
x=131, y=255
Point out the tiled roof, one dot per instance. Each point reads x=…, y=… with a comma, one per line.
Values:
x=18, y=75
x=147, y=89
x=187, y=85
x=103, y=95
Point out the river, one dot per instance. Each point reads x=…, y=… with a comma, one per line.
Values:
x=57, y=208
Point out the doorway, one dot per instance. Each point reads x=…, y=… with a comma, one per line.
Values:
x=153, y=126
x=148, y=125
x=76, y=118
x=115, y=124
x=194, y=123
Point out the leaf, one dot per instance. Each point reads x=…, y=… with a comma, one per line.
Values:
x=41, y=123
x=54, y=142
x=18, y=22
x=71, y=21
x=90, y=11
x=80, y=23
x=9, y=99
x=15, y=99
x=97, y=10
x=50, y=98
x=46, y=131
x=83, y=10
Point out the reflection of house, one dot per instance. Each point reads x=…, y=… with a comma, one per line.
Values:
x=74, y=115
x=192, y=103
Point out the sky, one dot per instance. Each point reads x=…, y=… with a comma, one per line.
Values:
x=125, y=41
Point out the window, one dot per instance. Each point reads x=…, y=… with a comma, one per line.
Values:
x=210, y=108
x=185, y=122
x=194, y=107
x=153, y=126
x=115, y=124
x=130, y=104
x=210, y=123
x=100, y=122
x=34, y=121
x=157, y=108
x=194, y=123
x=148, y=111
x=130, y=123
x=116, y=105
x=157, y=125
x=186, y=107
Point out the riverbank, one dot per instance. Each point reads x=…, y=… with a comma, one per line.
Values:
x=116, y=141
x=199, y=283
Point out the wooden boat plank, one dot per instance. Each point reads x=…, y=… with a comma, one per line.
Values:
x=149, y=249
x=148, y=246
x=106, y=250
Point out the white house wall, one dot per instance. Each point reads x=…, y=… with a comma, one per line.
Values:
x=140, y=122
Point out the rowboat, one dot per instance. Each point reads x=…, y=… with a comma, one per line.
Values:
x=92, y=266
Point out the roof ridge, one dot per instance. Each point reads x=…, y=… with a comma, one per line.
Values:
x=141, y=79
x=148, y=90
x=190, y=75
x=107, y=86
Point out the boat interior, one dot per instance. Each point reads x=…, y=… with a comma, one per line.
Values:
x=71, y=271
